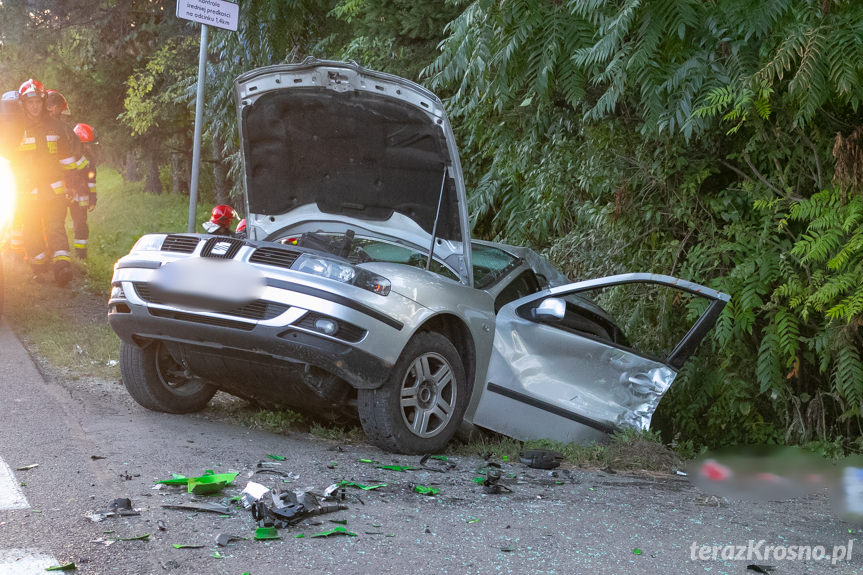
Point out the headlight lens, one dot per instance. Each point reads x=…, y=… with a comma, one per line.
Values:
x=149, y=243
x=342, y=272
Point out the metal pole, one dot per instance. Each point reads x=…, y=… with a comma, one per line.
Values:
x=199, y=112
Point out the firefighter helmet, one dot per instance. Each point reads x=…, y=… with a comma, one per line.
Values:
x=85, y=133
x=32, y=88
x=223, y=216
x=241, y=227
x=54, y=99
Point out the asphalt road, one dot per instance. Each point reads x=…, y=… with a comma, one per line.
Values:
x=92, y=445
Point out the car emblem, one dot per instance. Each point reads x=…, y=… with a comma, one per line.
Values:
x=221, y=248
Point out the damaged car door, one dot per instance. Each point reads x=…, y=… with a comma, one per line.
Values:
x=565, y=368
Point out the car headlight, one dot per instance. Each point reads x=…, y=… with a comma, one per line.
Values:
x=342, y=272
x=149, y=243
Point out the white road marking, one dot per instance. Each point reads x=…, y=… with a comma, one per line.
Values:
x=24, y=562
x=11, y=496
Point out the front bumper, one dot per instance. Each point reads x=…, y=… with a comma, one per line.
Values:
x=279, y=326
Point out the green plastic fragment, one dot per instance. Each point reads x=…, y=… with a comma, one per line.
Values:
x=210, y=482
x=423, y=490
x=397, y=467
x=479, y=479
x=367, y=461
x=636, y=551
x=67, y=567
x=439, y=457
x=335, y=531
x=276, y=457
x=267, y=533
x=187, y=546
x=138, y=538
x=218, y=555
x=472, y=520
x=558, y=482
x=506, y=458
x=391, y=535
x=299, y=535
x=339, y=521
x=344, y=483
x=206, y=483
x=225, y=516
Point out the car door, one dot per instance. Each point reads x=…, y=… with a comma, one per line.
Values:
x=565, y=368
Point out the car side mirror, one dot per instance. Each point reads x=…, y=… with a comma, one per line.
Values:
x=551, y=309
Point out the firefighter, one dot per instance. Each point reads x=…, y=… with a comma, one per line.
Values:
x=46, y=157
x=84, y=189
x=221, y=220
x=56, y=105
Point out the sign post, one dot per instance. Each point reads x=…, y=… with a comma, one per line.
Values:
x=220, y=14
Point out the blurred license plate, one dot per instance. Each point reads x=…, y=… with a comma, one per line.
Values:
x=208, y=283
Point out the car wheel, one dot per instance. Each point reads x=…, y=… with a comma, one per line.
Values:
x=156, y=381
x=422, y=404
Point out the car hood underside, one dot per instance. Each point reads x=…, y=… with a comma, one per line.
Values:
x=352, y=152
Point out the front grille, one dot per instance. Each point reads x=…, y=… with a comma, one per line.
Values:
x=274, y=257
x=257, y=310
x=347, y=331
x=221, y=247
x=202, y=319
x=180, y=244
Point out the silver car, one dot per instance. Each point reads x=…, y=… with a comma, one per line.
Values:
x=358, y=292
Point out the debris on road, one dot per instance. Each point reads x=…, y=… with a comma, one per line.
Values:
x=187, y=546
x=27, y=467
x=423, y=490
x=437, y=463
x=262, y=533
x=202, y=507
x=335, y=531
x=344, y=483
x=223, y=539
x=761, y=568
x=67, y=567
x=288, y=508
x=120, y=507
x=252, y=492
x=541, y=458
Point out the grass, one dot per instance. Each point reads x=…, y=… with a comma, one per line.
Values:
x=626, y=451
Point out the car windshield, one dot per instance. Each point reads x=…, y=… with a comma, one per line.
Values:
x=489, y=264
x=360, y=249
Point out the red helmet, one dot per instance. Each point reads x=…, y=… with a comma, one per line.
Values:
x=32, y=88
x=85, y=133
x=53, y=99
x=241, y=227
x=223, y=216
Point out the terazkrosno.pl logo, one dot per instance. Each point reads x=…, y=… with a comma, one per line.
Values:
x=761, y=551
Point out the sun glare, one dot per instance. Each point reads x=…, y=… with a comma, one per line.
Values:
x=7, y=194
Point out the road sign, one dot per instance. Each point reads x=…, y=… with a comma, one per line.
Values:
x=218, y=13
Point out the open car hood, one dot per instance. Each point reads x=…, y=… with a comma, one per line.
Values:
x=354, y=143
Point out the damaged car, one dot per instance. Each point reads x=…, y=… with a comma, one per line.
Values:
x=358, y=292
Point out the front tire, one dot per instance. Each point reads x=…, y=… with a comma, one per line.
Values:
x=156, y=381
x=421, y=406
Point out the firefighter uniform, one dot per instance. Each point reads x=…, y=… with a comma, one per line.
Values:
x=83, y=194
x=48, y=155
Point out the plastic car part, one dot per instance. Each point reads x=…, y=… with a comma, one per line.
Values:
x=541, y=458
x=156, y=381
x=419, y=409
